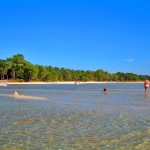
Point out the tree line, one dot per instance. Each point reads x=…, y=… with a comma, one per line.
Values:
x=17, y=68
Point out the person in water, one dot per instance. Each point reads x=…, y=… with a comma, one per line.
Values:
x=146, y=85
x=105, y=90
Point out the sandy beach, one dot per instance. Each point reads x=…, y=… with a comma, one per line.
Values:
x=71, y=82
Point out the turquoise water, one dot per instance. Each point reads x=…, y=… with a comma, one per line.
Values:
x=75, y=117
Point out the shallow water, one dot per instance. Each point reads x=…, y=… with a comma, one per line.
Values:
x=76, y=117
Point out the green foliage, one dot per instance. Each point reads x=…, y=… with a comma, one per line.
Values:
x=17, y=63
x=4, y=66
x=17, y=68
x=30, y=72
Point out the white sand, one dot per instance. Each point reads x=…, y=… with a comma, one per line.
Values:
x=71, y=82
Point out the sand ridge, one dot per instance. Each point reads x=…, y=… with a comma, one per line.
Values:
x=16, y=95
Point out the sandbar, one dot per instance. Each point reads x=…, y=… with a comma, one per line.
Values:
x=16, y=95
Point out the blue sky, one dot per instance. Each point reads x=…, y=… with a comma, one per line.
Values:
x=113, y=35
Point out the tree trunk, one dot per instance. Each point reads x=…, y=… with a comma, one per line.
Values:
x=14, y=75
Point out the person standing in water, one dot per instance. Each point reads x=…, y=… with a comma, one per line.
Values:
x=146, y=85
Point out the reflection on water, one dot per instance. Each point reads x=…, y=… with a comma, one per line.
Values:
x=76, y=117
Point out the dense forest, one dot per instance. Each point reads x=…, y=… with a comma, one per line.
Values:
x=17, y=68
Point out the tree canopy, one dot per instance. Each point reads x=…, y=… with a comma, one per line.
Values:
x=18, y=69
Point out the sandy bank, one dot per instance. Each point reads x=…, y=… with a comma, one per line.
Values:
x=69, y=82
x=16, y=95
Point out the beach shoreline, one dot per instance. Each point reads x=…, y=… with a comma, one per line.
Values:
x=70, y=82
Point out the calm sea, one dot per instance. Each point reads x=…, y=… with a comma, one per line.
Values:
x=75, y=117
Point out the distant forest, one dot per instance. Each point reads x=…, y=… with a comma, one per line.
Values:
x=17, y=68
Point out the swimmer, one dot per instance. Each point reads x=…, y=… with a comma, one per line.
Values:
x=105, y=90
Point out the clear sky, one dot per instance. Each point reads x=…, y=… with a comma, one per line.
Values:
x=113, y=35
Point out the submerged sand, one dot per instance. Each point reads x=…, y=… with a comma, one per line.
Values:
x=16, y=95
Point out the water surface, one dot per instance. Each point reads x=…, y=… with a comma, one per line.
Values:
x=76, y=117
